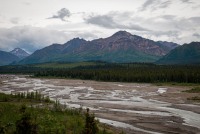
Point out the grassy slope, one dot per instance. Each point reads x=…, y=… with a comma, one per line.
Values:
x=119, y=56
x=48, y=119
x=114, y=56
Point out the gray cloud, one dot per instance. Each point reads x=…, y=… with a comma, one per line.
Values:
x=113, y=21
x=14, y=20
x=166, y=27
x=195, y=19
x=87, y=35
x=155, y=4
x=147, y=4
x=168, y=17
x=26, y=3
x=30, y=38
x=186, y=1
x=196, y=35
x=101, y=20
x=196, y=7
x=164, y=4
x=61, y=14
x=170, y=33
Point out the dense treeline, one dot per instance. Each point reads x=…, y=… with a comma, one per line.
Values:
x=19, y=69
x=133, y=72
x=129, y=73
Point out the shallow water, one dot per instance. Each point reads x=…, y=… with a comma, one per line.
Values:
x=125, y=125
x=162, y=90
x=190, y=118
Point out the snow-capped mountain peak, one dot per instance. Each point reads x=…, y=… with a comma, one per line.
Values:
x=20, y=53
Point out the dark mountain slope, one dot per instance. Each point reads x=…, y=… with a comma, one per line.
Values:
x=185, y=54
x=7, y=58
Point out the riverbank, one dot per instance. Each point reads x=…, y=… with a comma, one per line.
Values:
x=131, y=107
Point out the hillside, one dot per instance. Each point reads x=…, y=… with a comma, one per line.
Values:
x=185, y=54
x=7, y=58
x=120, y=47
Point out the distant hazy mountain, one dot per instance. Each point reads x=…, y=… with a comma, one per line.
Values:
x=120, y=47
x=7, y=58
x=19, y=53
x=185, y=54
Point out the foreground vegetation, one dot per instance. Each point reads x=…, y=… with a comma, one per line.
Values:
x=23, y=114
x=129, y=72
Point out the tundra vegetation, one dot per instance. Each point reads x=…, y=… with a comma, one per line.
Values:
x=32, y=113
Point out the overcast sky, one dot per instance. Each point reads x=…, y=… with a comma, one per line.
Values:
x=34, y=24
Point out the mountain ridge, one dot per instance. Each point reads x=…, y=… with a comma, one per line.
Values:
x=119, y=47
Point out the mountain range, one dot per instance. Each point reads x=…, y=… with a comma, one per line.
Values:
x=120, y=47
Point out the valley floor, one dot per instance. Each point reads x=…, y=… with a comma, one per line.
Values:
x=129, y=107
